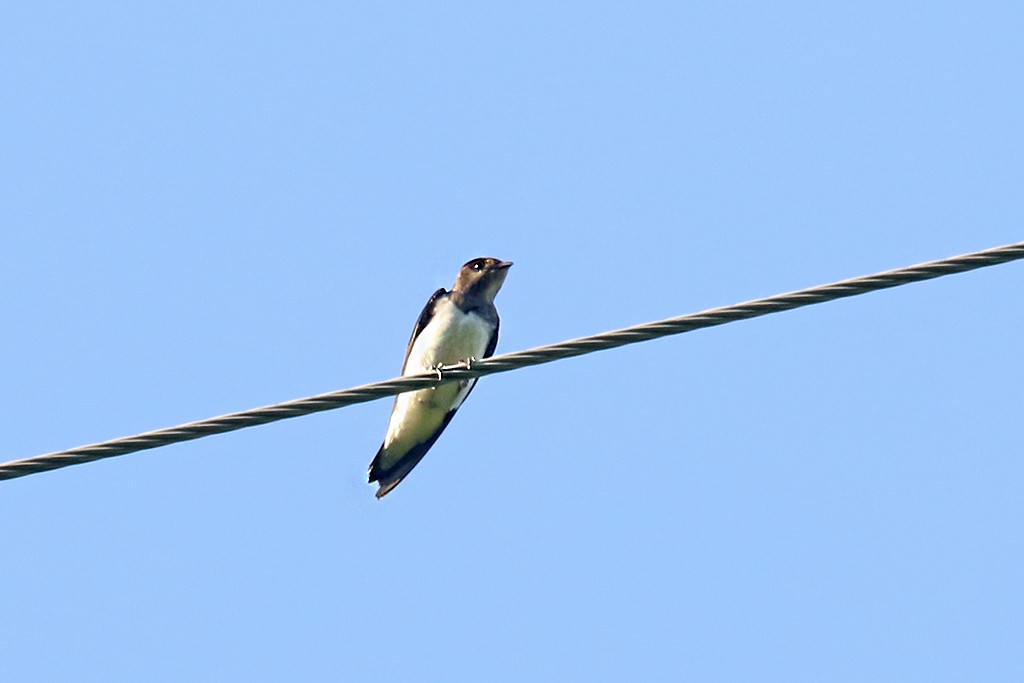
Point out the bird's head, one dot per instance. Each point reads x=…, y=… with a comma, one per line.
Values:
x=482, y=277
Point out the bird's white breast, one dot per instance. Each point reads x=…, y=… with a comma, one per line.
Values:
x=450, y=337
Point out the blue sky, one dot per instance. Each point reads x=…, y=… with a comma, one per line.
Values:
x=211, y=207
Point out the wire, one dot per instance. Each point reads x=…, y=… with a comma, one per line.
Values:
x=513, y=361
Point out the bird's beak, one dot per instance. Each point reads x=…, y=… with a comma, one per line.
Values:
x=503, y=265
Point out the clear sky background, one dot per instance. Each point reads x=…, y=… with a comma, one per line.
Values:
x=208, y=207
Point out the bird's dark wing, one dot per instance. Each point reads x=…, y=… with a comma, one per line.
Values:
x=424, y=319
x=392, y=476
x=493, y=344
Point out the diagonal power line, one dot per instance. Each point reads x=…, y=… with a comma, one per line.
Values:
x=513, y=361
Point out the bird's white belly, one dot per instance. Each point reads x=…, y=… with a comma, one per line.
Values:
x=450, y=338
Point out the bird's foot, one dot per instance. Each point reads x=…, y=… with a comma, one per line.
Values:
x=437, y=368
x=468, y=362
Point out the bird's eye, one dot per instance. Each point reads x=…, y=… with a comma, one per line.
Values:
x=478, y=265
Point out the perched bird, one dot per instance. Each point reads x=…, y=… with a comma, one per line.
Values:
x=459, y=326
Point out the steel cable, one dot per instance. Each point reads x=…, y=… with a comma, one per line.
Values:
x=513, y=361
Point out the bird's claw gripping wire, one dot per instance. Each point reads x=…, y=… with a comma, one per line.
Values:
x=465, y=362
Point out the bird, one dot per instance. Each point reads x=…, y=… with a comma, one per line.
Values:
x=456, y=327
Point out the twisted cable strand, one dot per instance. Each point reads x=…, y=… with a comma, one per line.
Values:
x=513, y=361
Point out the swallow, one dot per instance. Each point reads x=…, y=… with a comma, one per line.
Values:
x=455, y=327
